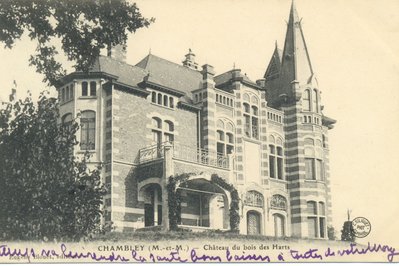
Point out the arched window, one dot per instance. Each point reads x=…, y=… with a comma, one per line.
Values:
x=251, y=121
x=196, y=97
x=157, y=130
x=315, y=101
x=162, y=131
x=171, y=104
x=88, y=130
x=159, y=98
x=278, y=202
x=306, y=100
x=165, y=100
x=93, y=88
x=168, y=132
x=254, y=198
x=316, y=219
x=67, y=120
x=154, y=97
x=84, y=88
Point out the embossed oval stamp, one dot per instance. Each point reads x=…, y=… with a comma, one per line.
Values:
x=361, y=227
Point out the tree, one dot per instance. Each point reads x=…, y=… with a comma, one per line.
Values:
x=347, y=230
x=45, y=192
x=82, y=27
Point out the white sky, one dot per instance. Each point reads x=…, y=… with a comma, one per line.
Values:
x=353, y=45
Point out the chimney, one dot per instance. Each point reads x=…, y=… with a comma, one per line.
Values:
x=190, y=60
x=117, y=52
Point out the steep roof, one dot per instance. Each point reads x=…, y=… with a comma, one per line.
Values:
x=170, y=74
x=295, y=63
x=274, y=67
x=127, y=74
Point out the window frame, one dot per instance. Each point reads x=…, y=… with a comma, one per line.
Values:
x=88, y=132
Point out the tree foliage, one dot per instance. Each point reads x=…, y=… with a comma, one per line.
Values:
x=347, y=232
x=83, y=28
x=45, y=192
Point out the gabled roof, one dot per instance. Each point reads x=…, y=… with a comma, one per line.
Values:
x=274, y=67
x=170, y=74
x=227, y=77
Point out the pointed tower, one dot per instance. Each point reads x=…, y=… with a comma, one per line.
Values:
x=295, y=69
x=291, y=86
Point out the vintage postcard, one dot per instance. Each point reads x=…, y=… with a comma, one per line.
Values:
x=199, y=131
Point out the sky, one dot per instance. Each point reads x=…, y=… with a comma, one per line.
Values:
x=353, y=45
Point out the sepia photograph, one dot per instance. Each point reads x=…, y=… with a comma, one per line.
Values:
x=199, y=131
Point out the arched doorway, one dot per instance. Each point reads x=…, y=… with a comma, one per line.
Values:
x=203, y=204
x=253, y=223
x=279, y=225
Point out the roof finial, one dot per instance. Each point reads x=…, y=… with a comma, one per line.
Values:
x=149, y=52
x=276, y=44
x=234, y=65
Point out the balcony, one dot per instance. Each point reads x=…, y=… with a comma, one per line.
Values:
x=184, y=153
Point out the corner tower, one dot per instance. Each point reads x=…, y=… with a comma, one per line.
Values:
x=291, y=86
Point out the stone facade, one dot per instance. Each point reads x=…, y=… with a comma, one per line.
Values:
x=156, y=119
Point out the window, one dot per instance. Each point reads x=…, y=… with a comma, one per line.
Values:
x=251, y=121
x=162, y=131
x=316, y=219
x=314, y=169
x=276, y=164
x=159, y=98
x=71, y=92
x=84, y=89
x=88, y=130
x=225, y=138
x=165, y=100
x=315, y=101
x=162, y=99
x=310, y=169
x=67, y=121
x=93, y=88
x=254, y=198
x=319, y=170
x=306, y=101
x=278, y=202
x=63, y=95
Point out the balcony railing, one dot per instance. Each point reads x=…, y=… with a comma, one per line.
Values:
x=201, y=156
x=151, y=153
x=185, y=153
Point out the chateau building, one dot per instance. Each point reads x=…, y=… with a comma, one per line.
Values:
x=157, y=119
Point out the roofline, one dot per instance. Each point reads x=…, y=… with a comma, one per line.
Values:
x=78, y=75
x=161, y=88
x=131, y=88
x=189, y=106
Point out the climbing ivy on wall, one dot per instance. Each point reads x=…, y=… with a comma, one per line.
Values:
x=234, y=205
x=174, y=199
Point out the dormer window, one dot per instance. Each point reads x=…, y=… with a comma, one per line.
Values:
x=162, y=99
x=84, y=88
x=93, y=88
x=89, y=88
